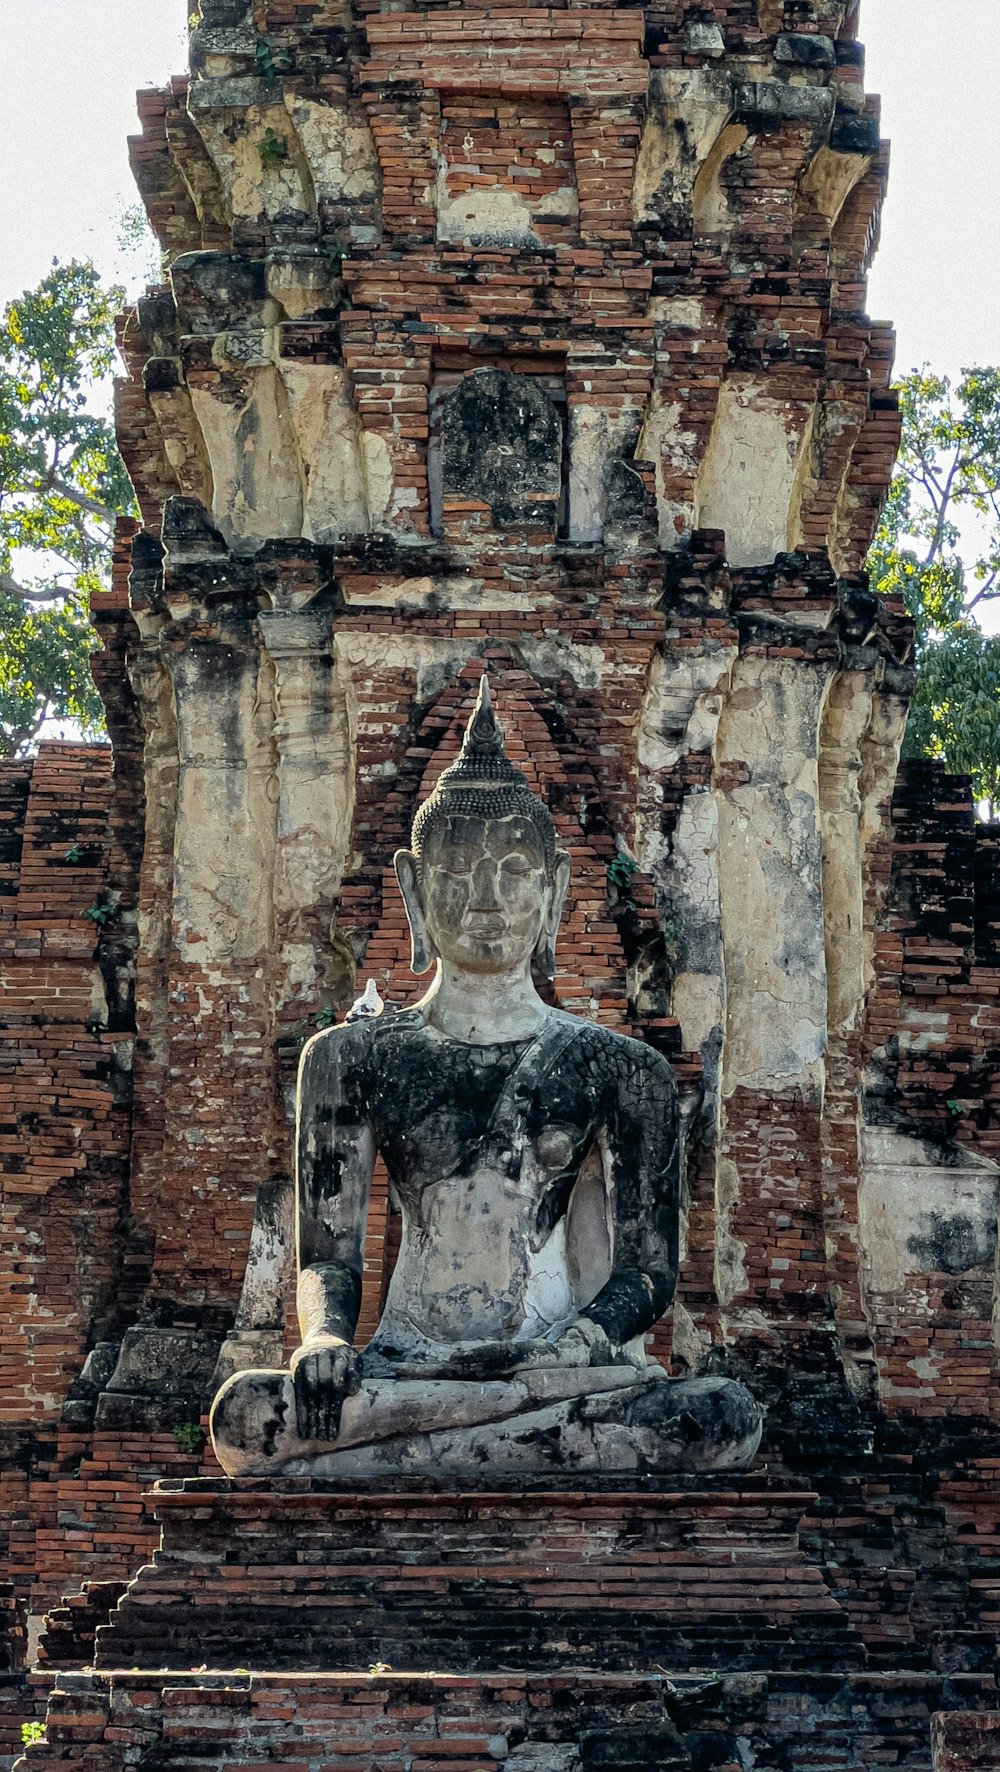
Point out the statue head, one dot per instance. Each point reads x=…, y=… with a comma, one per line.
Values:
x=484, y=884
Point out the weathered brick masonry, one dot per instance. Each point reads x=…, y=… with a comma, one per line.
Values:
x=528, y=338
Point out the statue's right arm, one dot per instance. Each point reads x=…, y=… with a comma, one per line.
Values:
x=334, y=1161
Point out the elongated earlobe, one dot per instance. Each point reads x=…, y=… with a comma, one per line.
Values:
x=422, y=954
x=545, y=956
x=545, y=947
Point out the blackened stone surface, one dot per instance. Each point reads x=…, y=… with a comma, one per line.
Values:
x=805, y=48
x=215, y=290
x=501, y=440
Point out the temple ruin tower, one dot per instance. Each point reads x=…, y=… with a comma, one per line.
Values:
x=527, y=339
x=532, y=339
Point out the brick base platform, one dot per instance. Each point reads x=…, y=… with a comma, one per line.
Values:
x=307, y=1575
x=314, y=1626
x=389, y=1722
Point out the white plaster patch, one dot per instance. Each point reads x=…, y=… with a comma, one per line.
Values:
x=554, y=658
x=300, y=281
x=315, y=779
x=232, y=123
x=683, y=704
x=770, y=877
x=254, y=461
x=710, y=204
x=688, y=1342
x=680, y=313
x=182, y=442
x=673, y=450
x=730, y=1274
x=98, y=998
x=340, y=153
x=918, y=1215
x=749, y=480
x=379, y=480
x=845, y=721
x=328, y=433
x=224, y=835
x=434, y=661
x=686, y=112
x=597, y=437
x=498, y=217
x=434, y=594
x=829, y=180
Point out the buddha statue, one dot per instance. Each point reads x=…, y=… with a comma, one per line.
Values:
x=535, y=1160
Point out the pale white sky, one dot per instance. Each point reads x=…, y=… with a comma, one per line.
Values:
x=69, y=76
x=71, y=68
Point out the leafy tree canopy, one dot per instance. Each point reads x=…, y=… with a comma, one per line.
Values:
x=62, y=485
x=946, y=488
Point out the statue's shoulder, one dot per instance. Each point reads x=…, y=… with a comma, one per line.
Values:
x=347, y=1045
x=622, y=1052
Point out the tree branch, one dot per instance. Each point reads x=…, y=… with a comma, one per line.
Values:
x=941, y=514
x=23, y=735
x=984, y=593
x=10, y=587
x=55, y=484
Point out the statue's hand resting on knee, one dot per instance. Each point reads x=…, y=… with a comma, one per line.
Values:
x=325, y=1371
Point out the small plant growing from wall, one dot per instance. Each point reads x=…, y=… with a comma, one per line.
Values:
x=271, y=61
x=32, y=1732
x=272, y=148
x=189, y=1436
x=620, y=872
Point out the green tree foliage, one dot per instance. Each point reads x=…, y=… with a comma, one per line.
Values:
x=956, y=711
x=949, y=471
x=62, y=485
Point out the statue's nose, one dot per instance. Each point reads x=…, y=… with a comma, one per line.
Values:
x=485, y=896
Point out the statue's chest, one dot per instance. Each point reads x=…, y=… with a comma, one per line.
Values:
x=482, y=1111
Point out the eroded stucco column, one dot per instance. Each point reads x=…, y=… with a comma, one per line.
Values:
x=769, y=1234
x=847, y=718
x=312, y=790
x=218, y=1070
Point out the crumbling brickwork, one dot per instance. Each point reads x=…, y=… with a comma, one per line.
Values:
x=66, y=1064
x=529, y=339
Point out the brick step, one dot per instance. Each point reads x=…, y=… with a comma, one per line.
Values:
x=307, y=1575
x=68, y=1637
x=197, y=1720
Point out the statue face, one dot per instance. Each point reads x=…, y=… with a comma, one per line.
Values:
x=486, y=891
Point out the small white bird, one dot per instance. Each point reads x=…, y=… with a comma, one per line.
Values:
x=367, y=1006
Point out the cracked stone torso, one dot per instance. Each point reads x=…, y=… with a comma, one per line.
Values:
x=500, y=1160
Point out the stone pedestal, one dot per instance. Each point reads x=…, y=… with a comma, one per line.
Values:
x=306, y=1575
x=313, y=1627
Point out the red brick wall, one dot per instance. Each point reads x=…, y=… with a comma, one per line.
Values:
x=65, y=1080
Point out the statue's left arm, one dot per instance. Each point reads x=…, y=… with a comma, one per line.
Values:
x=641, y=1148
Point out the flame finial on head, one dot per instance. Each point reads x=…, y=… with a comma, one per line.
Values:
x=483, y=782
x=483, y=757
x=484, y=732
